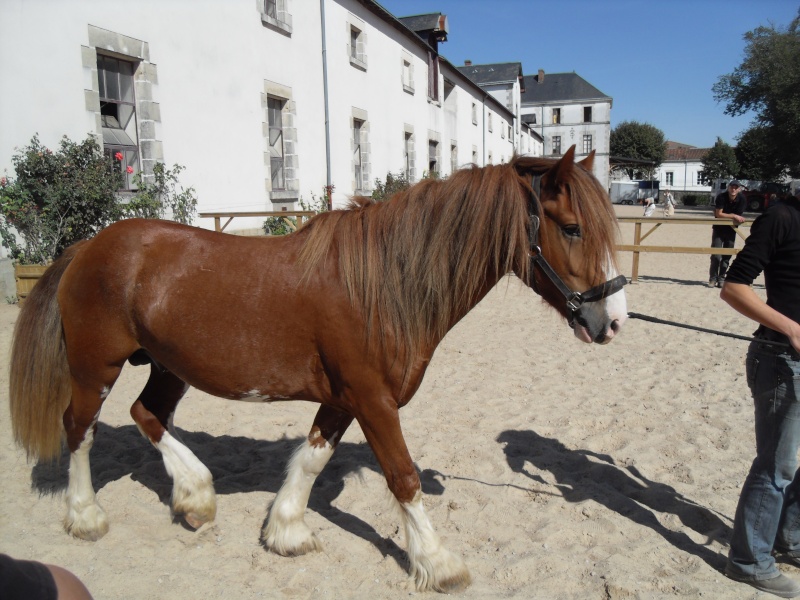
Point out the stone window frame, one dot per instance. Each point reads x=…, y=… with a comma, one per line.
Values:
x=453, y=156
x=358, y=114
x=359, y=59
x=145, y=77
x=407, y=67
x=409, y=152
x=281, y=20
x=291, y=191
x=435, y=139
x=474, y=155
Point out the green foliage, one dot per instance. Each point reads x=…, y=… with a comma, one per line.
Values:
x=696, y=199
x=58, y=198
x=393, y=184
x=720, y=161
x=758, y=157
x=640, y=141
x=283, y=225
x=154, y=199
x=767, y=83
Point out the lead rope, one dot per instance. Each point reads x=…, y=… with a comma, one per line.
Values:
x=704, y=330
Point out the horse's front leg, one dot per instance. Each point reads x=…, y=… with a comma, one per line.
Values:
x=432, y=565
x=286, y=532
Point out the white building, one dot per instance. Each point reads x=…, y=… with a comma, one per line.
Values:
x=682, y=170
x=263, y=102
x=566, y=110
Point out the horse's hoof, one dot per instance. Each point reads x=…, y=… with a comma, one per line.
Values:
x=194, y=520
x=90, y=524
x=294, y=540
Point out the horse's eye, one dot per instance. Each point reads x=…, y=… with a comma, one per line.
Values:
x=572, y=230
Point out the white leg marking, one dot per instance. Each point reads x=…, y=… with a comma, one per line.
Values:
x=192, y=485
x=286, y=533
x=433, y=567
x=85, y=518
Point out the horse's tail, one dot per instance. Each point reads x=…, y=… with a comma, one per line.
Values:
x=39, y=384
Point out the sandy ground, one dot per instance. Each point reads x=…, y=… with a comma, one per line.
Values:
x=554, y=468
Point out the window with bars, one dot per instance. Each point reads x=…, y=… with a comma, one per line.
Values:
x=357, y=157
x=276, y=147
x=587, y=143
x=556, y=143
x=118, y=116
x=433, y=157
x=669, y=178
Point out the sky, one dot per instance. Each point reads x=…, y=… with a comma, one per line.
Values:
x=657, y=59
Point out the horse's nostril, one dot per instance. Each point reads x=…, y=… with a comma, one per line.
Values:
x=615, y=325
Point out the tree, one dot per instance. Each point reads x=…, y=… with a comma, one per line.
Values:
x=640, y=141
x=720, y=162
x=767, y=83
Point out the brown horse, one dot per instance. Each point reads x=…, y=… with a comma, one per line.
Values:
x=356, y=302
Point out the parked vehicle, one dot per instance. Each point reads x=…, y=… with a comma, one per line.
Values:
x=767, y=193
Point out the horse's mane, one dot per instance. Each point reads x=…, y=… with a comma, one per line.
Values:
x=419, y=261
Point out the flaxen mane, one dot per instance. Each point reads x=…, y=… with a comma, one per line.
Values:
x=416, y=261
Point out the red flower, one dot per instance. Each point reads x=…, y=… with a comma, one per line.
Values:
x=3, y=182
x=129, y=169
x=118, y=156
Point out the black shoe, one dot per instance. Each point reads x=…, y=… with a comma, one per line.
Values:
x=720, y=282
x=712, y=283
x=782, y=586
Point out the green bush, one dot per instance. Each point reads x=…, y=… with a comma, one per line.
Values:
x=58, y=198
x=696, y=199
x=392, y=185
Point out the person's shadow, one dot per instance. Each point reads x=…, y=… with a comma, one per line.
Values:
x=238, y=464
x=623, y=490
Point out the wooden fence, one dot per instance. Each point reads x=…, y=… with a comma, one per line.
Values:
x=301, y=215
x=637, y=247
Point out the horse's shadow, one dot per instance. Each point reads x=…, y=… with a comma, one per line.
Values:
x=238, y=464
x=623, y=490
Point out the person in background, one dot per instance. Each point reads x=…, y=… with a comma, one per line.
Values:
x=767, y=517
x=728, y=205
x=649, y=207
x=669, y=204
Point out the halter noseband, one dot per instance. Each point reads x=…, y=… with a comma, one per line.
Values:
x=574, y=300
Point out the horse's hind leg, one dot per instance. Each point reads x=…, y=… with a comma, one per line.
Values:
x=286, y=531
x=192, y=487
x=85, y=518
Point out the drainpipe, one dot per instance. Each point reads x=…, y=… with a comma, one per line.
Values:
x=484, y=128
x=325, y=100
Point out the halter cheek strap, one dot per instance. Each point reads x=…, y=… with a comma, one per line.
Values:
x=574, y=300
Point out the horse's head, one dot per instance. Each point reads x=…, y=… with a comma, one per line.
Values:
x=573, y=230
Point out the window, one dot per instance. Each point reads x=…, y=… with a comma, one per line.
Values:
x=474, y=155
x=556, y=144
x=408, y=76
x=587, y=144
x=490, y=122
x=118, y=116
x=276, y=147
x=701, y=178
x=669, y=178
x=510, y=134
x=453, y=158
x=275, y=15
x=474, y=114
x=357, y=157
x=408, y=156
x=433, y=76
x=489, y=161
x=587, y=114
x=358, y=57
x=533, y=119
x=556, y=116
x=433, y=157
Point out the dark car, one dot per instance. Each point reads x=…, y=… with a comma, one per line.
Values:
x=765, y=195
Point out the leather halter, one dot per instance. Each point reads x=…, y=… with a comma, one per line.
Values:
x=574, y=300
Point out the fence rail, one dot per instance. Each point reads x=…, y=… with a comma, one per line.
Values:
x=301, y=215
x=637, y=247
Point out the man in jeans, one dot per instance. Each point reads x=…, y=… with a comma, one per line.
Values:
x=728, y=205
x=768, y=514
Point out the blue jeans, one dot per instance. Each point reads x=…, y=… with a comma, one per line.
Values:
x=768, y=514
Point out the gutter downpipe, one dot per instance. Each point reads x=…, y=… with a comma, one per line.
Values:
x=484, y=128
x=325, y=100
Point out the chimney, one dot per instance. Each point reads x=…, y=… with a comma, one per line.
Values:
x=540, y=79
x=467, y=63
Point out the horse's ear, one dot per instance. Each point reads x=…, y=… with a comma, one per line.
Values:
x=560, y=171
x=588, y=162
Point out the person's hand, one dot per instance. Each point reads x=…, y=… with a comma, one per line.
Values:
x=739, y=218
x=794, y=338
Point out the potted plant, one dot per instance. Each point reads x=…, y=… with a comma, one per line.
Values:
x=58, y=198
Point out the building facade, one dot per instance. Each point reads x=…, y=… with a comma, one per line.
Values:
x=264, y=102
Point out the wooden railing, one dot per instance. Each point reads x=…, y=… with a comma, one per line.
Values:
x=637, y=247
x=218, y=216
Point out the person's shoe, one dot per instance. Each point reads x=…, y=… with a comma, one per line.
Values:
x=784, y=555
x=720, y=282
x=712, y=283
x=782, y=586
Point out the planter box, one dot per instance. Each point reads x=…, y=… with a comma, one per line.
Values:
x=26, y=277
